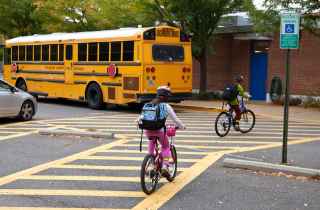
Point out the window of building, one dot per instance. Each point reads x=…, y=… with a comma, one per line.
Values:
x=93, y=51
x=45, y=52
x=115, y=51
x=128, y=48
x=82, y=52
x=168, y=53
x=104, y=51
x=261, y=47
x=7, y=56
x=54, y=52
x=37, y=53
x=22, y=53
x=15, y=53
x=69, y=52
x=61, y=52
x=29, y=53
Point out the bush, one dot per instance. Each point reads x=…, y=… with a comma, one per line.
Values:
x=292, y=101
x=311, y=103
x=211, y=95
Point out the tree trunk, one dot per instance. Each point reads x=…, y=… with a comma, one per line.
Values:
x=203, y=71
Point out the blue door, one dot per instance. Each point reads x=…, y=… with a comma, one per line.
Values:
x=258, y=70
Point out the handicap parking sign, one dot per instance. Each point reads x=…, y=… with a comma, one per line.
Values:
x=289, y=28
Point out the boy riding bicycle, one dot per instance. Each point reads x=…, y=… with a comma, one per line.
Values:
x=235, y=103
x=163, y=94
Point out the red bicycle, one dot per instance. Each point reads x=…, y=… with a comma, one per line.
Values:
x=151, y=165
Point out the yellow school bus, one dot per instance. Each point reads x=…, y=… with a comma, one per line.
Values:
x=123, y=66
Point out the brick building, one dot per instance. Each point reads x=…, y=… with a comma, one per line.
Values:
x=258, y=58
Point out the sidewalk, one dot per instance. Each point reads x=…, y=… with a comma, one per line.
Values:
x=259, y=108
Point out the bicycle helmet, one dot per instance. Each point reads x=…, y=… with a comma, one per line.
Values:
x=164, y=92
x=239, y=78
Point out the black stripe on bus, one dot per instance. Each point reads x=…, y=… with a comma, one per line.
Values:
x=40, y=62
x=117, y=64
x=13, y=78
x=111, y=84
x=95, y=74
x=38, y=93
x=41, y=72
x=46, y=80
x=80, y=82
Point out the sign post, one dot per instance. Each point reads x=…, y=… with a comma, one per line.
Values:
x=289, y=39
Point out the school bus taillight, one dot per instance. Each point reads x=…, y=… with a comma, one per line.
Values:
x=184, y=69
x=182, y=77
x=153, y=78
x=189, y=69
x=153, y=69
x=184, y=37
x=147, y=69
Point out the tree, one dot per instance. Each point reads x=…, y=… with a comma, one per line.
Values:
x=269, y=20
x=200, y=18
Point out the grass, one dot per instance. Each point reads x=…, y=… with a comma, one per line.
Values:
x=314, y=175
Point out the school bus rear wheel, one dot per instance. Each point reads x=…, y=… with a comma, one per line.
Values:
x=94, y=96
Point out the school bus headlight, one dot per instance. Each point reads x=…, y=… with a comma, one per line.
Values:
x=189, y=69
x=147, y=69
x=148, y=78
x=188, y=77
x=153, y=69
x=184, y=69
x=153, y=78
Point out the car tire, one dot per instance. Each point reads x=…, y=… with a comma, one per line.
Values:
x=27, y=111
x=94, y=96
x=22, y=85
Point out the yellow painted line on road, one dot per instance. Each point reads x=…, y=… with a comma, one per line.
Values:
x=145, y=152
x=85, y=178
x=120, y=168
x=15, y=135
x=37, y=169
x=95, y=193
x=129, y=158
x=50, y=208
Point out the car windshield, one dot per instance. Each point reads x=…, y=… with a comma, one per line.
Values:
x=4, y=86
x=168, y=53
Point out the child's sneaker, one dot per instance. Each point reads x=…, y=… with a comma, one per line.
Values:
x=164, y=169
x=237, y=127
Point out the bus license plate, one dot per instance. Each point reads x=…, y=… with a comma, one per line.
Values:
x=151, y=83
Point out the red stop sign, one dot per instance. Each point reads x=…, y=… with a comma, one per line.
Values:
x=14, y=68
x=112, y=70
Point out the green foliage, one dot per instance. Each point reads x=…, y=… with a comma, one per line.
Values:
x=211, y=95
x=292, y=101
x=314, y=175
x=269, y=20
x=311, y=103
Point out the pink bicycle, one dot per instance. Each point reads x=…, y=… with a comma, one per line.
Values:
x=151, y=165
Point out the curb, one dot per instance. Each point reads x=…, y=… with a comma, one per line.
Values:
x=106, y=135
x=267, y=167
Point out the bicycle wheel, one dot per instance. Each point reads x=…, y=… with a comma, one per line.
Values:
x=222, y=124
x=247, y=122
x=173, y=164
x=148, y=174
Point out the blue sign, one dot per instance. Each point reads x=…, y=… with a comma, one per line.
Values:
x=289, y=28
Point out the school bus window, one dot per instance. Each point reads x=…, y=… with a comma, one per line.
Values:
x=168, y=53
x=82, y=52
x=115, y=51
x=30, y=53
x=15, y=53
x=128, y=48
x=69, y=52
x=60, y=52
x=93, y=51
x=37, y=52
x=54, y=52
x=7, y=56
x=22, y=53
x=104, y=51
x=45, y=52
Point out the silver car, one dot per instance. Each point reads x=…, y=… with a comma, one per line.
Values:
x=16, y=103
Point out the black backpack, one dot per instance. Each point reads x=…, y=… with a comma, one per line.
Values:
x=230, y=92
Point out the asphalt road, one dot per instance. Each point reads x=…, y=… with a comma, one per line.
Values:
x=48, y=172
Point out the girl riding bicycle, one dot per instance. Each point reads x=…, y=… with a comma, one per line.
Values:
x=163, y=94
x=235, y=104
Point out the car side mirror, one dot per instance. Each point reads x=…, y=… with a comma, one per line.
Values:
x=13, y=89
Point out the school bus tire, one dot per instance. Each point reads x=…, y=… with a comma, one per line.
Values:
x=94, y=96
x=22, y=85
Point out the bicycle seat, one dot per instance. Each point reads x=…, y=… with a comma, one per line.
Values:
x=153, y=138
